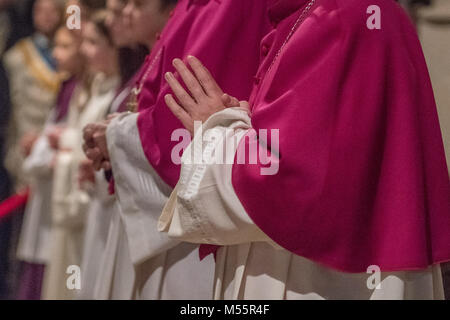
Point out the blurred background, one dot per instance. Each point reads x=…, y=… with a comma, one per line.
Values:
x=432, y=18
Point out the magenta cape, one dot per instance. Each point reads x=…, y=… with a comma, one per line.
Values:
x=225, y=36
x=362, y=175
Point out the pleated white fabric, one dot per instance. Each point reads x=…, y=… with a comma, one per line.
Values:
x=164, y=268
x=101, y=209
x=116, y=275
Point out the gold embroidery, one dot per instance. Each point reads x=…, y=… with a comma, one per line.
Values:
x=48, y=78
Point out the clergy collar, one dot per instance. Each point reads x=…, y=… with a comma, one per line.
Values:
x=281, y=9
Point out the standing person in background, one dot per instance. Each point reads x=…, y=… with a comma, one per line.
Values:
x=33, y=85
x=70, y=199
x=119, y=278
x=34, y=244
x=141, y=145
x=103, y=216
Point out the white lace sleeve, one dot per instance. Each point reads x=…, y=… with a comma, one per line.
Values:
x=204, y=207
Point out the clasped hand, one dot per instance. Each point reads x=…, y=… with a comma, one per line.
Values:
x=205, y=97
x=95, y=145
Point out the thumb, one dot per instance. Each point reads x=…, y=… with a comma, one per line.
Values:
x=229, y=101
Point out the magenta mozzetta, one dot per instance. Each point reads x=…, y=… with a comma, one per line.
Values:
x=362, y=175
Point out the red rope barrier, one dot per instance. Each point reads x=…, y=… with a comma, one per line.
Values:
x=13, y=203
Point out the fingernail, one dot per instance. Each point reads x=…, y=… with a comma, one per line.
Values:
x=191, y=59
x=176, y=61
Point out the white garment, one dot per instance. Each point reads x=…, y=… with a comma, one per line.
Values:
x=113, y=270
x=101, y=208
x=107, y=269
x=34, y=244
x=204, y=208
x=259, y=271
x=176, y=274
x=163, y=266
x=69, y=202
x=116, y=277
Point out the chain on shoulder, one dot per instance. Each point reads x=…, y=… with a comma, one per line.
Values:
x=299, y=20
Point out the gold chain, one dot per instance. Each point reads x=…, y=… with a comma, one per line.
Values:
x=300, y=19
x=132, y=103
